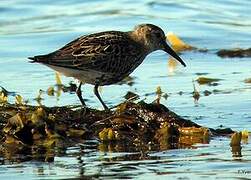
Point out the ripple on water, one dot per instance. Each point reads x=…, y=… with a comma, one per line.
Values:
x=37, y=27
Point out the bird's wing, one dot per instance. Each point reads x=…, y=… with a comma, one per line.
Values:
x=102, y=51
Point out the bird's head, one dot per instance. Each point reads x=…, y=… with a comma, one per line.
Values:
x=154, y=39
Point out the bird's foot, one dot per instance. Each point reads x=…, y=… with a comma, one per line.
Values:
x=106, y=109
x=84, y=111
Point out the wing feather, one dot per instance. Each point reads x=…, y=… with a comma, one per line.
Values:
x=102, y=51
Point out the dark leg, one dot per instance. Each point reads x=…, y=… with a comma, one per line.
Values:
x=99, y=98
x=79, y=94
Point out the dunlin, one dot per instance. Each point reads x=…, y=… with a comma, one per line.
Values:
x=107, y=57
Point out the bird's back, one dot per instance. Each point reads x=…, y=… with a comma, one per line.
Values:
x=113, y=53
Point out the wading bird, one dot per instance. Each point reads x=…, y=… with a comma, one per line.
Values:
x=107, y=57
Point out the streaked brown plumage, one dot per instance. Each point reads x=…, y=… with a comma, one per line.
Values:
x=107, y=57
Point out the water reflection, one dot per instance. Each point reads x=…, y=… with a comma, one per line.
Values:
x=37, y=27
x=17, y=153
x=118, y=161
x=236, y=151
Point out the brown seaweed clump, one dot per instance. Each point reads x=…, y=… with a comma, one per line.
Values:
x=237, y=52
x=131, y=124
x=128, y=127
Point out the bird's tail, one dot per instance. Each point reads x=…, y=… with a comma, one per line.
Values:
x=40, y=58
x=33, y=59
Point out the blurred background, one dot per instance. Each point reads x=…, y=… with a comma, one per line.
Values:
x=29, y=28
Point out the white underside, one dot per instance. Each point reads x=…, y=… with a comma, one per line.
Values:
x=86, y=76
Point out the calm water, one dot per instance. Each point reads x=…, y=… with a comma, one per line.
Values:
x=29, y=28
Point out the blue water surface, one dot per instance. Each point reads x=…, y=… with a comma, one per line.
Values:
x=29, y=28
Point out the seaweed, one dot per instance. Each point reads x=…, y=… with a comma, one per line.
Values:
x=237, y=52
x=130, y=123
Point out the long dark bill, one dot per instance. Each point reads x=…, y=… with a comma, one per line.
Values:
x=170, y=51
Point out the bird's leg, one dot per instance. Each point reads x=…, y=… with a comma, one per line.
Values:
x=99, y=98
x=79, y=94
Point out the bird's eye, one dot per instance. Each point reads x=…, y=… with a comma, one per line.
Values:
x=158, y=35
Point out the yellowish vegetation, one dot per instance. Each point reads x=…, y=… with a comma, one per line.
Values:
x=236, y=139
x=38, y=115
x=167, y=133
x=245, y=134
x=50, y=91
x=75, y=132
x=205, y=80
x=248, y=80
x=172, y=65
x=177, y=44
x=58, y=79
x=107, y=134
x=193, y=131
x=18, y=122
x=121, y=108
x=19, y=100
x=3, y=98
x=196, y=94
x=39, y=97
x=159, y=94
x=158, y=91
